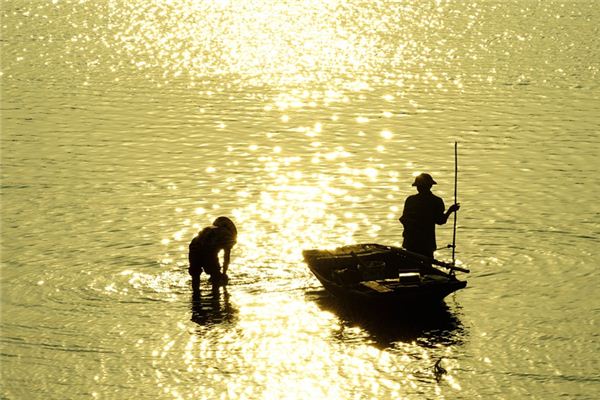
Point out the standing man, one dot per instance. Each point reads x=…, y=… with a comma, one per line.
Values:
x=204, y=252
x=422, y=211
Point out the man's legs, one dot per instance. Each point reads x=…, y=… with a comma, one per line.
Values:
x=196, y=282
x=425, y=264
x=195, y=273
x=217, y=279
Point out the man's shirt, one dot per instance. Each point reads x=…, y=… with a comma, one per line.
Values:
x=422, y=211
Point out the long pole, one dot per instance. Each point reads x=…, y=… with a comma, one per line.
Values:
x=455, y=201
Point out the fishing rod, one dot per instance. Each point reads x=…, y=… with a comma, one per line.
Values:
x=455, y=202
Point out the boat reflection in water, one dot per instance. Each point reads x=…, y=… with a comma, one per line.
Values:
x=210, y=306
x=431, y=326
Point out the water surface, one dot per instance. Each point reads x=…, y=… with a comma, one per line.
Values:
x=127, y=126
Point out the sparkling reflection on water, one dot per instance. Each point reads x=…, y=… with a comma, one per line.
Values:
x=300, y=348
x=127, y=126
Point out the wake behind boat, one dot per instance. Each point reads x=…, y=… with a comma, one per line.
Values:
x=374, y=274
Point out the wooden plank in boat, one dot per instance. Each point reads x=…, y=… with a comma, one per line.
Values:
x=376, y=286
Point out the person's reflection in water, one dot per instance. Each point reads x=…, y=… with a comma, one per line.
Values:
x=209, y=309
x=204, y=252
x=422, y=211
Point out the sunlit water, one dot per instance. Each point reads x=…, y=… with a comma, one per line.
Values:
x=127, y=126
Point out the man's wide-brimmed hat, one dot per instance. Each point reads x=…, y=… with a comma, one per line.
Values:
x=424, y=180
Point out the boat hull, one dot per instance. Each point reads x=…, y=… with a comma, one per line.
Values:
x=383, y=284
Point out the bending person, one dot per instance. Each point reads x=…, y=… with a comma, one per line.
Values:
x=204, y=252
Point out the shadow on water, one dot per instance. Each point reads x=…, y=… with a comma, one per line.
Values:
x=210, y=307
x=428, y=327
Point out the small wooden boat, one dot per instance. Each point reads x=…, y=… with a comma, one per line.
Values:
x=383, y=275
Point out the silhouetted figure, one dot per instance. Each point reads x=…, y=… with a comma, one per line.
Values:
x=422, y=211
x=204, y=252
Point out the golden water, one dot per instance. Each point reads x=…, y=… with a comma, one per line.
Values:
x=128, y=125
